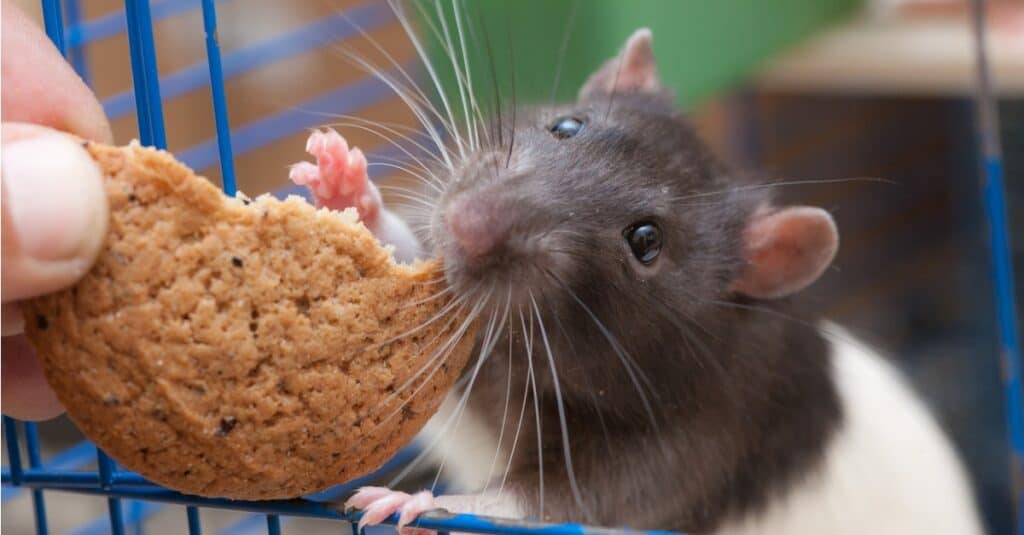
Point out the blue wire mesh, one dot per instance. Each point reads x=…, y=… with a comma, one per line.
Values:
x=131, y=500
x=66, y=470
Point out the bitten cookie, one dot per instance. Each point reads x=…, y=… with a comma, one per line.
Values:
x=245, y=349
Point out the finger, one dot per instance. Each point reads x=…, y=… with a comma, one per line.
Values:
x=13, y=322
x=25, y=394
x=39, y=86
x=54, y=211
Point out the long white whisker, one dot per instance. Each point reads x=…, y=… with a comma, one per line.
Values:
x=449, y=48
x=536, y=413
x=522, y=408
x=566, y=450
x=411, y=101
x=508, y=394
x=444, y=349
x=424, y=57
x=440, y=314
x=765, y=185
x=632, y=369
x=444, y=427
x=487, y=347
x=380, y=128
x=432, y=179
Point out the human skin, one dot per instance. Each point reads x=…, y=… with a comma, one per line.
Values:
x=54, y=209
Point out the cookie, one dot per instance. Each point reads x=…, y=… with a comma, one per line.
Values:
x=249, y=349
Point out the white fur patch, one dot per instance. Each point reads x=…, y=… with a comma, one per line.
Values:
x=391, y=230
x=890, y=469
x=467, y=449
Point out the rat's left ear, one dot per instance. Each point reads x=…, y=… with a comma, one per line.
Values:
x=786, y=250
x=632, y=70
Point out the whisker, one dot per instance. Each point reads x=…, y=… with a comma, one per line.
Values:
x=417, y=105
x=566, y=450
x=419, y=302
x=566, y=34
x=615, y=83
x=429, y=65
x=522, y=408
x=632, y=369
x=438, y=315
x=413, y=101
x=765, y=185
x=454, y=59
x=508, y=395
x=446, y=349
x=473, y=125
x=512, y=83
x=487, y=347
x=537, y=417
x=428, y=204
x=433, y=180
x=379, y=128
x=494, y=81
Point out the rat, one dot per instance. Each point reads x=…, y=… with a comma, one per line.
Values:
x=655, y=367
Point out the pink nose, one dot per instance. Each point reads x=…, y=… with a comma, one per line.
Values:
x=476, y=224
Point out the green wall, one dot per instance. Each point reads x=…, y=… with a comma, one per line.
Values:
x=702, y=46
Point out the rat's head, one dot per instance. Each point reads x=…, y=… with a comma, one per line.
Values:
x=610, y=210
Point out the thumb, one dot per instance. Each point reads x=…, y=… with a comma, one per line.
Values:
x=54, y=210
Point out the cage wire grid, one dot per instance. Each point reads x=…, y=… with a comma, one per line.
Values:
x=64, y=470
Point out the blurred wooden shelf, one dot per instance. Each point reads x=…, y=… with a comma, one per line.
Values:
x=929, y=57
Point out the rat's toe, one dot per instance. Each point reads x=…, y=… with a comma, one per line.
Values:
x=418, y=504
x=382, y=508
x=365, y=496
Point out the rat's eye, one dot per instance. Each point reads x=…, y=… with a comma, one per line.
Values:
x=566, y=127
x=644, y=240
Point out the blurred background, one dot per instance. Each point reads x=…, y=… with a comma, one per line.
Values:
x=793, y=89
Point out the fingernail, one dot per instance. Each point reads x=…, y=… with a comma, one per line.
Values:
x=54, y=194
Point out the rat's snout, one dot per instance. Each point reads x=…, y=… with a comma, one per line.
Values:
x=476, y=225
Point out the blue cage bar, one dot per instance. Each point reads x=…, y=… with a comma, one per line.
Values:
x=65, y=471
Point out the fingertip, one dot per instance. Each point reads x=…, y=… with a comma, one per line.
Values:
x=54, y=211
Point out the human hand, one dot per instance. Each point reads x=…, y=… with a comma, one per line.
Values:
x=54, y=209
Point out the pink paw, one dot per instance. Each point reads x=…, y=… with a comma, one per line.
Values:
x=378, y=503
x=338, y=180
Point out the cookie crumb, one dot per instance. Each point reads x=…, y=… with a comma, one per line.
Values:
x=227, y=423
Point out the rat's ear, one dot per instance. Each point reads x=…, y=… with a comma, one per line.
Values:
x=786, y=250
x=632, y=70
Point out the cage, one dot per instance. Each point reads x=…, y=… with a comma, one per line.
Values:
x=262, y=134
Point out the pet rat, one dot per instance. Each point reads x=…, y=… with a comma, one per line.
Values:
x=654, y=368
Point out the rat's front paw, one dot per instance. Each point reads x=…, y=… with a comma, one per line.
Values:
x=338, y=180
x=378, y=503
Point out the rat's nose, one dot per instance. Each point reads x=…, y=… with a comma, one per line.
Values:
x=476, y=224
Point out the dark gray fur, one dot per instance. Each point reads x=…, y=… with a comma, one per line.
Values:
x=741, y=395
